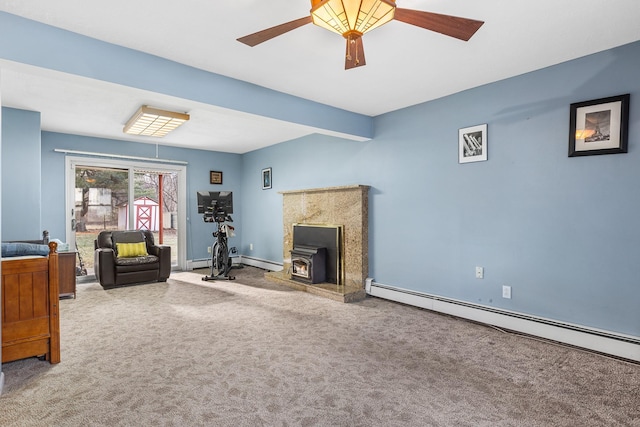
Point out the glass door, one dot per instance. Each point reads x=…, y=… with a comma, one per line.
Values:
x=101, y=195
x=109, y=194
x=156, y=207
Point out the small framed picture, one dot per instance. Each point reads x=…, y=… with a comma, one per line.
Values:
x=600, y=126
x=215, y=177
x=472, y=144
x=266, y=178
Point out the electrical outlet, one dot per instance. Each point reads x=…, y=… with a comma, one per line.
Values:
x=479, y=273
x=506, y=292
x=250, y=246
x=208, y=249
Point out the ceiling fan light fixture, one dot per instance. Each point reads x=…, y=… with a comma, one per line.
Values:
x=346, y=16
x=352, y=18
x=149, y=121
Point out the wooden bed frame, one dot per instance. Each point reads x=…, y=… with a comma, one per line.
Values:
x=30, y=317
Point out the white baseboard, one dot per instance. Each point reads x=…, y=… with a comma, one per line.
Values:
x=261, y=263
x=197, y=263
x=255, y=262
x=620, y=345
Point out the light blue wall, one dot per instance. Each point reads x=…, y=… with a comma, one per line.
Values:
x=199, y=164
x=560, y=231
x=313, y=161
x=21, y=172
x=34, y=43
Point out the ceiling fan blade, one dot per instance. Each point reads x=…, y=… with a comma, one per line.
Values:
x=354, y=56
x=264, y=35
x=454, y=26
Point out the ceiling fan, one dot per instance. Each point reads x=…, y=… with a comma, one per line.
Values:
x=353, y=18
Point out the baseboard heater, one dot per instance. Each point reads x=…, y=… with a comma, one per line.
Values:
x=198, y=263
x=261, y=263
x=619, y=345
x=242, y=259
x=206, y=262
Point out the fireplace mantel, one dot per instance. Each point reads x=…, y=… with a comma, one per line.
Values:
x=327, y=189
x=347, y=206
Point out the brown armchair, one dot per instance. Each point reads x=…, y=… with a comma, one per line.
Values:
x=118, y=269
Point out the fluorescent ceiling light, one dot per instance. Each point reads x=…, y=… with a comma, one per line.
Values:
x=149, y=121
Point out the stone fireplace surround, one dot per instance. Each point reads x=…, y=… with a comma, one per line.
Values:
x=347, y=206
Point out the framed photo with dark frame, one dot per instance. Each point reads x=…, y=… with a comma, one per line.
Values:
x=215, y=177
x=266, y=178
x=600, y=126
x=472, y=144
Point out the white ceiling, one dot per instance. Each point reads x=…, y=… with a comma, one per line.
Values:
x=406, y=65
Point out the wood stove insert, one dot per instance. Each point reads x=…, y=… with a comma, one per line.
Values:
x=324, y=238
x=309, y=264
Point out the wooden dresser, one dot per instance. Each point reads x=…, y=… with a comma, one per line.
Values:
x=67, y=273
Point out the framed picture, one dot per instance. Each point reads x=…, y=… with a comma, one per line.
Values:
x=215, y=177
x=600, y=126
x=266, y=178
x=472, y=144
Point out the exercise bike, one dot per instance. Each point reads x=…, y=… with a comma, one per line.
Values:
x=220, y=259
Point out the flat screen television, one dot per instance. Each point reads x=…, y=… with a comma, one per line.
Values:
x=215, y=201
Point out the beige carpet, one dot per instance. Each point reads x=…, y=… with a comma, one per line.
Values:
x=251, y=353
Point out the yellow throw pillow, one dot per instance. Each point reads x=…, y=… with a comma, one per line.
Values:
x=130, y=250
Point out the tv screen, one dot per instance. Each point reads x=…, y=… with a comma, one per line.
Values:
x=215, y=201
